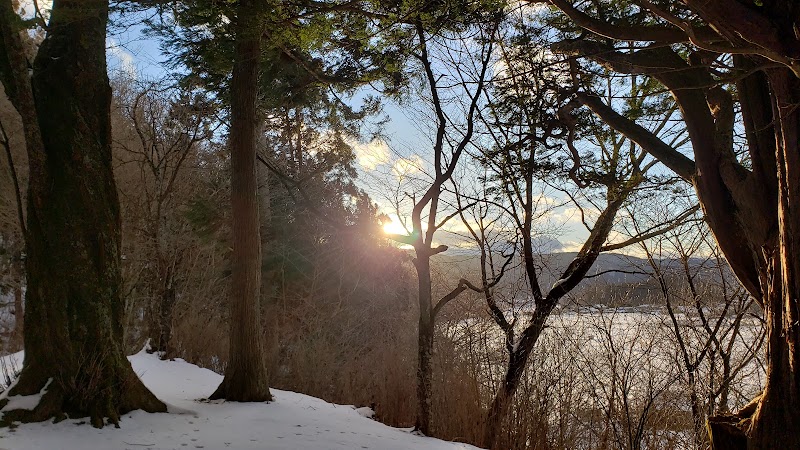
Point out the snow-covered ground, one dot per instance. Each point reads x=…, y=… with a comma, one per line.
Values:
x=292, y=422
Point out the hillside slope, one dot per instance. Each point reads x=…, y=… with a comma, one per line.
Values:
x=293, y=421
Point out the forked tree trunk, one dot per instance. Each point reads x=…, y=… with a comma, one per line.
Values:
x=772, y=420
x=246, y=374
x=572, y=276
x=73, y=320
x=754, y=212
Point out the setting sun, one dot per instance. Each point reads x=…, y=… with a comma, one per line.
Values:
x=393, y=226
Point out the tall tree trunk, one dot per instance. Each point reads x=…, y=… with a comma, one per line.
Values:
x=17, y=272
x=163, y=300
x=19, y=309
x=161, y=332
x=425, y=345
x=771, y=420
x=776, y=422
x=246, y=374
x=73, y=319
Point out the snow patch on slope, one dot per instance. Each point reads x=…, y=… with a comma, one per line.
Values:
x=291, y=422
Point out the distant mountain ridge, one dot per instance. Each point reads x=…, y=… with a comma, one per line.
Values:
x=612, y=271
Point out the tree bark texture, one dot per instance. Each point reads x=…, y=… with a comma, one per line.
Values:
x=776, y=421
x=246, y=377
x=73, y=317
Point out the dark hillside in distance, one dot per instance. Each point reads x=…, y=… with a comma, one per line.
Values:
x=614, y=279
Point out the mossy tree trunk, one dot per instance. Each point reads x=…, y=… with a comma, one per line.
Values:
x=73, y=317
x=246, y=377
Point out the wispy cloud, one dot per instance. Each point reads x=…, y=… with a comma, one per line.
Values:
x=372, y=154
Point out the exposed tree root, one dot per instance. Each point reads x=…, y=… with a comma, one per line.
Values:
x=729, y=432
x=64, y=400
